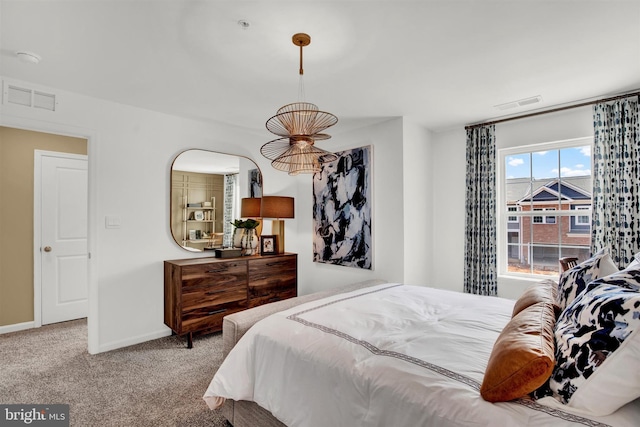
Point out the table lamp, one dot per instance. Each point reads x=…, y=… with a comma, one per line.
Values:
x=277, y=208
x=250, y=208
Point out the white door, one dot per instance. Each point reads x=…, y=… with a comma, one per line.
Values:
x=63, y=231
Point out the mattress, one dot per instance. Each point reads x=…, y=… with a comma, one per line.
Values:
x=387, y=355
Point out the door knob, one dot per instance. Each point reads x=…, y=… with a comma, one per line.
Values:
x=47, y=248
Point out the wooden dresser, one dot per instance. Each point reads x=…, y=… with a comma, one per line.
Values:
x=199, y=292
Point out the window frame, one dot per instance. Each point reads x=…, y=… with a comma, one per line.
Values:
x=502, y=222
x=583, y=208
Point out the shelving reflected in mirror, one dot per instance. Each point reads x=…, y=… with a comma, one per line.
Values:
x=206, y=189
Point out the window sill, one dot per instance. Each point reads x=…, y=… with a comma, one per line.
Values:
x=527, y=277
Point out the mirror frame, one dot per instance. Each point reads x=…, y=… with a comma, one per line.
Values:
x=191, y=210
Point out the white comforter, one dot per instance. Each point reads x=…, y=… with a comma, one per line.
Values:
x=388, y=355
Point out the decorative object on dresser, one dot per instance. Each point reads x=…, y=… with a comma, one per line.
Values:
x=199, y=292
x=245, y=236
x=278, y=208
x=268, y=245
x=228, y=252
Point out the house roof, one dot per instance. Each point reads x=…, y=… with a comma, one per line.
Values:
x=439, y=63
x=520, y=190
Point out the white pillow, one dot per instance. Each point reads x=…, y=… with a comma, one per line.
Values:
x=635, y=262
x=598, y=346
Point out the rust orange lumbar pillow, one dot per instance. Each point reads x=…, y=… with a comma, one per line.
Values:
x=522, y=358
x=543, y=291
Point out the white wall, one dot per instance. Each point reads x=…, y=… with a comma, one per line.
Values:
x=130, y=153
x=418, y=189
x=449, y=192
x=449, y=172
x=386, y=140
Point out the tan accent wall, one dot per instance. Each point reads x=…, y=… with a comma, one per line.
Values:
x=16, y=216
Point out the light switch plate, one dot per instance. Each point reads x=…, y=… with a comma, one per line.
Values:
x=112, y=221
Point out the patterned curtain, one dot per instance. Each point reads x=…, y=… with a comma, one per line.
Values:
x=480, y=260
x=615, y=223
x=228, y=214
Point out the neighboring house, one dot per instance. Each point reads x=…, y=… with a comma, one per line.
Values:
x=537, y=238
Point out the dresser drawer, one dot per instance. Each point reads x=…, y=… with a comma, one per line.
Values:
x=272, y=279
x=209, y=317
x=216, y=275
x=202, y=296
x=261, y=298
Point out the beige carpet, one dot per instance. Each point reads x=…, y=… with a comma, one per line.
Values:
x=157, y=383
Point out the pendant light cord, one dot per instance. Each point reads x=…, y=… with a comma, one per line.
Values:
x=301, y=93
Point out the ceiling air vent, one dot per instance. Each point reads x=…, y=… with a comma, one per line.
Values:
x=29, y=97
x=519, y=103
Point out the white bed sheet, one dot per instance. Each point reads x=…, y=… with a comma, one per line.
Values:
x=388, y=355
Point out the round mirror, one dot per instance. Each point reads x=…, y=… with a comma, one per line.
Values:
x=206, y=189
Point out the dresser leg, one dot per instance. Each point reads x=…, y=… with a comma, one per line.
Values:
x=190, y=340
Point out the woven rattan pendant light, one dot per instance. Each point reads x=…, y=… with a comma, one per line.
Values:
x=299, y=125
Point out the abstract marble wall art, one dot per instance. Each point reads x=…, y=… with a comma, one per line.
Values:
x=255, y=183
x=342, y=210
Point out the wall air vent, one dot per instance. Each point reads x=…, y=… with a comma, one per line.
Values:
x=18, y=95
x=519, y=103
x=43, y=100
x=14, y=94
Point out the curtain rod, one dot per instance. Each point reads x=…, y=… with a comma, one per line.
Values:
x=553, y=110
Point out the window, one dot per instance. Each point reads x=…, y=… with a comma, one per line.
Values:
x=537, y=219
x=583, y=219
x=544, y=219
x=550, y=219
x=541, y=187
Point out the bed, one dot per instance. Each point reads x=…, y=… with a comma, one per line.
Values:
x=383, y=354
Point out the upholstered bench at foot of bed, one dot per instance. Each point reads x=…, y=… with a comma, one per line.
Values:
x=234, y=326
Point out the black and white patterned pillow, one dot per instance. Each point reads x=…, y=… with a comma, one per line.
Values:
x=574, y=281
x=598, y=346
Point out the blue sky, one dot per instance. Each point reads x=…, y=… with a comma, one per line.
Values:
x=574, y=161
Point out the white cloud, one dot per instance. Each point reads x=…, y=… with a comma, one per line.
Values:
x=579, y=171
x=541, y=153
x=515, y=161
x=586, y=150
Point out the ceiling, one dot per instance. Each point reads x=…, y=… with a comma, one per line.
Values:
x=440, y=63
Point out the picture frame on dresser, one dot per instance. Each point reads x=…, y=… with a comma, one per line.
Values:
x=268, y=245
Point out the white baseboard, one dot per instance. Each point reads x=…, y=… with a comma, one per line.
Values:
x=102, y=348
x=114, y=345
x=17, y=327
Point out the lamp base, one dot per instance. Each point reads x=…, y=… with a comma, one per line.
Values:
x=277, y=228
